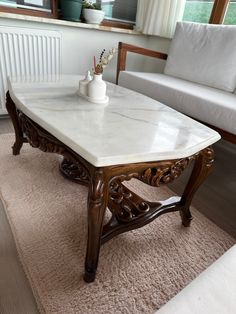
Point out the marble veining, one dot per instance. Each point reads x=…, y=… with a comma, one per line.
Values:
x=131, y=128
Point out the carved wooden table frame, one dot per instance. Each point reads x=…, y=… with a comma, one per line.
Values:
x=128, y=210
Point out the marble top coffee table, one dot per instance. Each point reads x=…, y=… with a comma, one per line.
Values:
x=104, y=145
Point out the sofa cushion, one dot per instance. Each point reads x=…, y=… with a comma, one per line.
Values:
x=213, y=291
x=204, y=103
x=205, y=54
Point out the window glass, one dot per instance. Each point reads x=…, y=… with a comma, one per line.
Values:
x=230, y=17
x=119, y=10
x=42, y=5
x=198, y=11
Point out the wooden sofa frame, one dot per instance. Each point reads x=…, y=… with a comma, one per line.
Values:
x=123, y=48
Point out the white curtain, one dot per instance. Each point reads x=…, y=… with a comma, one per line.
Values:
x=159, y=17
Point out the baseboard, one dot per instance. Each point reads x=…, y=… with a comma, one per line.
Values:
x=4, y=115
x=3, y=112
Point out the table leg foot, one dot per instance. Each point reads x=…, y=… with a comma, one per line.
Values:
x=89, y=276
x=186, y=217
x=17, y=147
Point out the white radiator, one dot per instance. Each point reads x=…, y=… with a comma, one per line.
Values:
x=27, y=52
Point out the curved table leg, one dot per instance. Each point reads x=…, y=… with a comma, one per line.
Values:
x=20, y=139
x=97, y=202
x=129, y=211
x=202, y=168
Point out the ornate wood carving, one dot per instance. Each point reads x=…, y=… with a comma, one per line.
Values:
x=38, y=137
x=126, y=205
x=208, y=156
x=19, y=136
x=71, y=167
x=74, y=171
x=106, y=188
x=164, y=174
x=130, y=211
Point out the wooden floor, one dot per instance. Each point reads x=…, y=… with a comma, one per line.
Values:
x=216, y=199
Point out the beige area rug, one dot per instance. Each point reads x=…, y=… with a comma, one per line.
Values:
x=138, y=271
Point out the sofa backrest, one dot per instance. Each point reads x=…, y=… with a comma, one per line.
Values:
x=205, y=54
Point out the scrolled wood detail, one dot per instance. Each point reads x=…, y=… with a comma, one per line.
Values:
x=71, y=167
x=165, y=174
x=125, y=205
x=97, y=187
x=107, y=188
x=39, y=138
x=208, y=156
x=74, y=171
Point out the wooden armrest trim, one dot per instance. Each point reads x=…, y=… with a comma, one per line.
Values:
x=142, y=51
x=123, y=48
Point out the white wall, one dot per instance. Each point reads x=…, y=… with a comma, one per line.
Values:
x=79, y=45
x=157, y=44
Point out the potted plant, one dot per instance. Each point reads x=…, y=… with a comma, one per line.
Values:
x=71, y=9
x=97, y=87
x=92, y=12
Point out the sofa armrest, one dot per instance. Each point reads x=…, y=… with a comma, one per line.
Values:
x=123, y=48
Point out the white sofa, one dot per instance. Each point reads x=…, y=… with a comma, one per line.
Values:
x=199, y=77
x=212, y=292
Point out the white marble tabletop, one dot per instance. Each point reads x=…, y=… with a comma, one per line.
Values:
x=131, y=128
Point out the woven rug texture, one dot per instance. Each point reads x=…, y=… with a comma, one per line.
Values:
x=138, y=271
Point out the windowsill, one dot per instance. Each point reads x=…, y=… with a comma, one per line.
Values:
x=67, y=23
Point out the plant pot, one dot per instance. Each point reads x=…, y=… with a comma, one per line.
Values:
x=71, y=10
x=93, y=16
